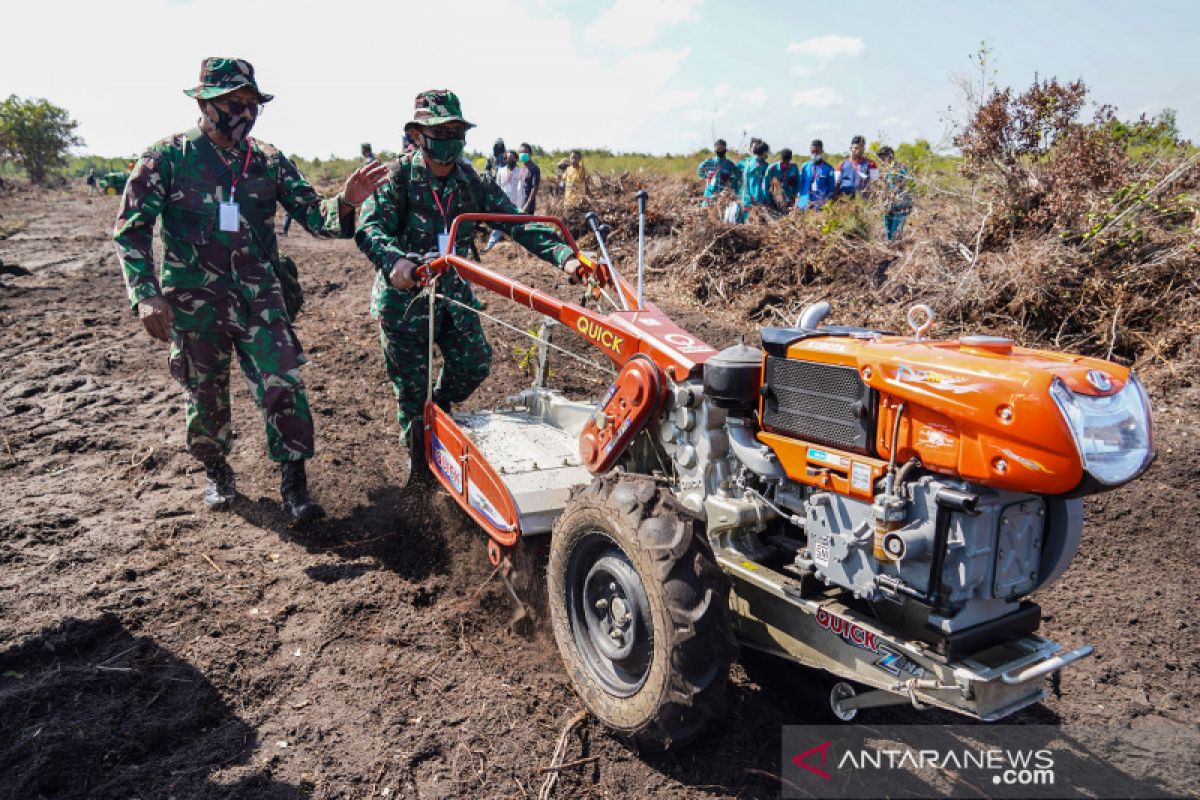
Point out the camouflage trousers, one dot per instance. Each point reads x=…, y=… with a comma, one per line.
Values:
x=466, y=357
x=270, y=357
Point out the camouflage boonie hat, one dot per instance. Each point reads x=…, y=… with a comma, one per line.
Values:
x=220, y=76
x=436, y=107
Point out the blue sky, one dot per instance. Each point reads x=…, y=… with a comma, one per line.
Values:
x=645, y=75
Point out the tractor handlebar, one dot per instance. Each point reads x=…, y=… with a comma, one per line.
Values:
x=431, y=265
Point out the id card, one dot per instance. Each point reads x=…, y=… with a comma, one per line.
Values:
x=229, y=216
x=443, y=244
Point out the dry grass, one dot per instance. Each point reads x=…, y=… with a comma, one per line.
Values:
x=1132, y=296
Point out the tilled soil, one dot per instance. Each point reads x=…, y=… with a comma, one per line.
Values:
x=151, y=649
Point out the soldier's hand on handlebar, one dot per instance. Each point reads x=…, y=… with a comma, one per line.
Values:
x=572, y=267
x=157, y=317
x=403, y=274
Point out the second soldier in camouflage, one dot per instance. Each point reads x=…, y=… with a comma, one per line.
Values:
x=426, y=190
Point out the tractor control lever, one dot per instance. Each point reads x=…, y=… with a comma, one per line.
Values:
x=642, y=197
x=422, y=274
x=602, y=232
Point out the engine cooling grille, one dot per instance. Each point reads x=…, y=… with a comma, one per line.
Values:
x=819, y=403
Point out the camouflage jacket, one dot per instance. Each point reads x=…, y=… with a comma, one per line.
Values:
x=209, y=274
x=403, y=217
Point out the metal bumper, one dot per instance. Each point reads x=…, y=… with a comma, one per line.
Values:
x=822, y=632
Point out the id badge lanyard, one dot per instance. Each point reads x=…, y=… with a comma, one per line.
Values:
x=444, y=210
x=229, y=217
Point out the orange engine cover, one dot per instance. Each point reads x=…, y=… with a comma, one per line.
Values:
x=623, y=411
x=983, y=413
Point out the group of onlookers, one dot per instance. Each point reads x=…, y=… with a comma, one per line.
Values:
x=783, y=186
x=518, y=174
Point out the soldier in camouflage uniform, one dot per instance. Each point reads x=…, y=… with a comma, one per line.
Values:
x=216, y=190
x=426, y=190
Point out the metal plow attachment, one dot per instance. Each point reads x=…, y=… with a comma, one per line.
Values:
x=515, y=466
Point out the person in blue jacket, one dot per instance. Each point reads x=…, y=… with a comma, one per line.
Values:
x=754, y=180
x=719, y=173
x=788, y=176
x=818, y=181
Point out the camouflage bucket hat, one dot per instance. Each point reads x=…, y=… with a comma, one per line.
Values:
x=436, y=107
x=220, y=76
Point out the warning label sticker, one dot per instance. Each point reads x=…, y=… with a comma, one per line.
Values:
x=820, y=551
x=828, y=458
x=860, y=477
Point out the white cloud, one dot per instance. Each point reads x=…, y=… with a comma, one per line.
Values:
x=637, y=23
x=801, y=71
x=828, y=47
x=702, y=115
x=656, y=98
x=816, y=97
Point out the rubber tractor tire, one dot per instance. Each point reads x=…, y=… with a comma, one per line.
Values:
x=110, y=190
x=640, y=611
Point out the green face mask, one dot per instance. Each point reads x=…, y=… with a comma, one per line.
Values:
x=444, y=151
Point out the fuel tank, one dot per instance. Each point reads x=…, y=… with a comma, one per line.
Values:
x=979, y=408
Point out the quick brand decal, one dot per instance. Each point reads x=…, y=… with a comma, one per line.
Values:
x=851, y=632
x=447, y=464
x=599, y=334
x=480, y=503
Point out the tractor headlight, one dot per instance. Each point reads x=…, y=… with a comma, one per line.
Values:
x=1112, y=433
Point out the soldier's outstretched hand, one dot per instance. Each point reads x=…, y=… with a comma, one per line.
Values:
x=363, y=183
x=156, y=317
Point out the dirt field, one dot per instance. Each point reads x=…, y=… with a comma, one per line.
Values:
x=150, y=649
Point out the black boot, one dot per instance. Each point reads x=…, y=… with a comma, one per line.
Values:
x=221, y=489
x=296, y=499
x=418, y=468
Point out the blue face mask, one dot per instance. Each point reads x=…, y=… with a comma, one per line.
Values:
x=817, y=157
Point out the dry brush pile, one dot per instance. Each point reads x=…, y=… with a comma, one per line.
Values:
x=1058, y=233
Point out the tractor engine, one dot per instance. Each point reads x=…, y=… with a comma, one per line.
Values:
x=936, y=483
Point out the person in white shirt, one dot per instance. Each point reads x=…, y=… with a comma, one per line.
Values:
x=511, y=177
